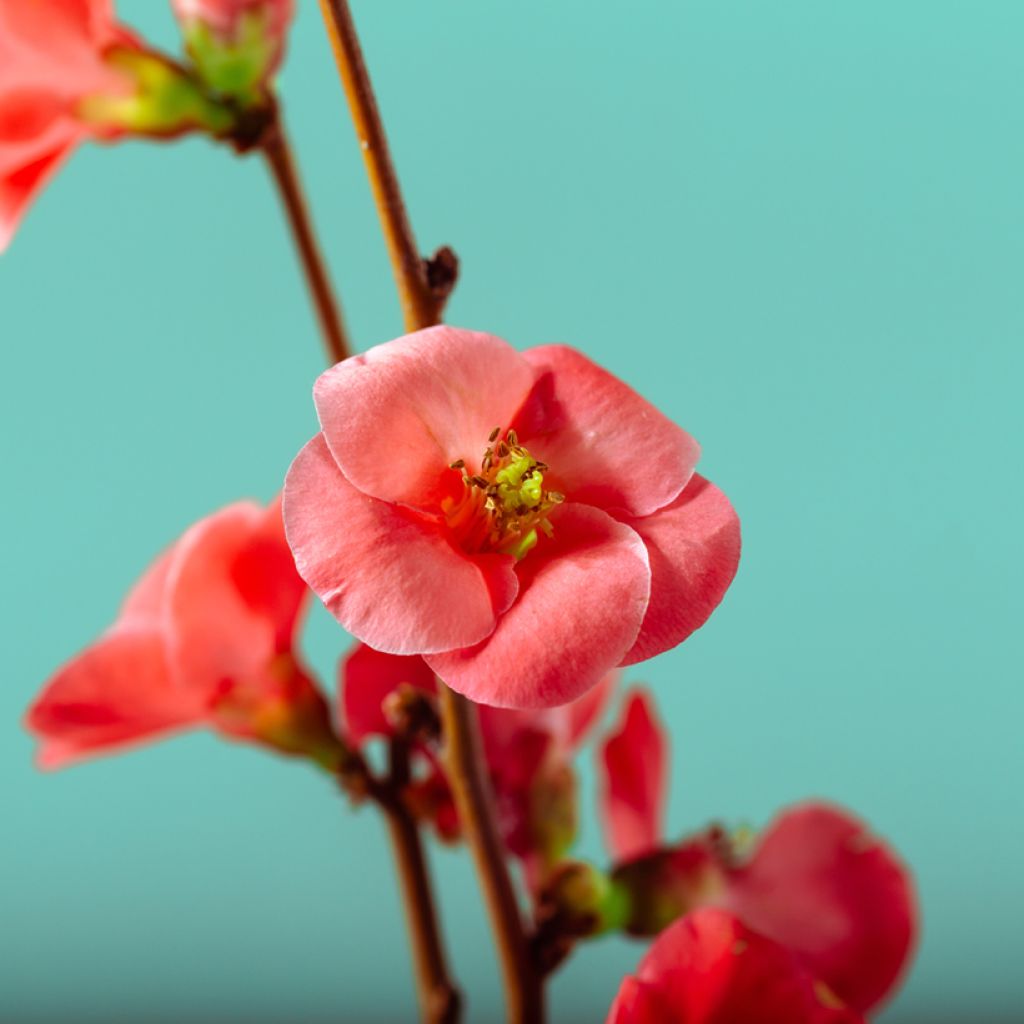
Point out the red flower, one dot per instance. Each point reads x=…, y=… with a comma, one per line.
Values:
x=816, y=881
x=526, y=522
x=711, y=968
x=633, y=795
x=52, y=58
x=529, y=753
x=205, y=637
x=822, y=885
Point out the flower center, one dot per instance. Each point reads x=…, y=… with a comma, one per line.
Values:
x=502, y=507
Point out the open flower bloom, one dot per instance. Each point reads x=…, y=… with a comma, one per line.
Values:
x=525, y=522
x=52, y=59
x=237, y=45
x=529, y=754
x=816, y=880
x=205, y=638
x=712, y=968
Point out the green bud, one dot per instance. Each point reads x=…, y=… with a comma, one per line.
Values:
x=165, y=100
x=236, y=66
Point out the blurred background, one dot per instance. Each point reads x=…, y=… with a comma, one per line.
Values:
x=797, y=227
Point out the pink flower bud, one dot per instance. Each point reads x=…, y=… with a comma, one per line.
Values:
x=236, y=45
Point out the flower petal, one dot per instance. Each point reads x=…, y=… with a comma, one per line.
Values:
x=694, y=548
x=634, y=759
x=367, y=678
x=114, y=694
x=145, y=603
x=582, y=595
x=566, y=724
x=390, y=577
x=605, y=444
x=396, y=416
x=21, y=182
x=232, y=597
x=823, y=886
x=711, y=968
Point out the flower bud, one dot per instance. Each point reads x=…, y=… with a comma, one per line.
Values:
x=157, y=99
x=282, y=709
x=236, y=45
x=667, y=884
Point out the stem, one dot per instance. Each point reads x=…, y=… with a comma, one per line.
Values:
x=468, y=777
x=422, y=304
x=281, y=161
x=422, y=300
x=439, y=999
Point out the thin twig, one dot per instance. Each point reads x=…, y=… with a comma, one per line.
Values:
x=471, y=788
x=439, y=999
x=275, y=147
x=423, y=285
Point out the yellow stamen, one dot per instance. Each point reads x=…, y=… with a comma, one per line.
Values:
x=504, y=505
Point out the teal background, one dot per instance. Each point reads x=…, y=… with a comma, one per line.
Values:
x=797, y=226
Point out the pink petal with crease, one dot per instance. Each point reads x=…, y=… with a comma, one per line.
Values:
x=582, y=596
x=606, y=445
x=396, y=416
x=694, y=548
x=390, y=577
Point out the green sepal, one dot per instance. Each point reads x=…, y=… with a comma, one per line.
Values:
x=166, y=100
x=237, y=67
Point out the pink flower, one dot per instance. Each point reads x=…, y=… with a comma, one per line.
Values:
x=526, y=522
x=838, y=897
x=711, y=968
x=52, y=58
x=633, y=796
x=206, y=637
x=816, y=881
x=529, y=753
x=237, y=44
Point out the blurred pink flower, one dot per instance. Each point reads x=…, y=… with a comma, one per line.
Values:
x=52, y=57
x=816, y=880
x=711, y=968
x=205, y=638
x=526, y=522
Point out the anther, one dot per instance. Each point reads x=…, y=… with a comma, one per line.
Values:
x=502, y=450
x=457, y=464
x=556, y=497
x=479, y=481
x=494, y=435
x=512, y=437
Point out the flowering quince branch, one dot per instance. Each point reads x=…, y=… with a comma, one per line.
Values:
x=502, y=531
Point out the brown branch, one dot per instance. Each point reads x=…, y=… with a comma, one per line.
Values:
x=423, y=285
x=439, y=999
x=470, y=784
x=274, y=146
